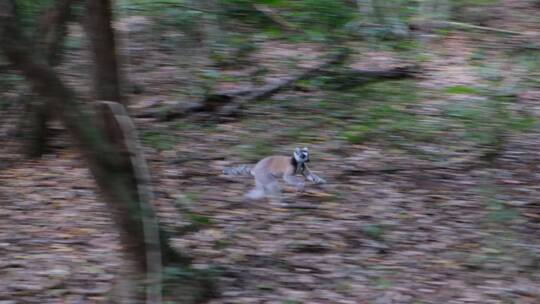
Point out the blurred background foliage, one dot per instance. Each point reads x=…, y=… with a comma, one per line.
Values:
x=231, y=31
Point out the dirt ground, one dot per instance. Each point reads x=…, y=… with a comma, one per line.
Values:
x=460, y=234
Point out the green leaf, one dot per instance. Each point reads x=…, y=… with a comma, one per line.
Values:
x=461, y=89
x=199, y=219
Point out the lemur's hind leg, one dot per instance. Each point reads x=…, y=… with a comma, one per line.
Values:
x=256, y=193
x=266, y=186
x=273, y=191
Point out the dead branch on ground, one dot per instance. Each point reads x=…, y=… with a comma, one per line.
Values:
x=230, y=103
x=461, y=25
x=276, y=18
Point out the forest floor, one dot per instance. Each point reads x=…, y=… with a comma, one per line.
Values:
x=466, y=232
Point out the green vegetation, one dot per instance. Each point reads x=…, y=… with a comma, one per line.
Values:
x=29, y=10
x=199, y=220
x=188, y=285
x=292, y=302
x=460, y=4
x=4, y=104
x=158, y=140
x=460, y=89
x=500, y=213
x=220, y=244
x=10, y=81
x=383, y=109
x=373, y=231
x=150, y=6
x=487, y=121
x=383, y=283
x=253, y=150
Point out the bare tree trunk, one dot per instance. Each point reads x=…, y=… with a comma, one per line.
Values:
x=53, y=28
x=116, y=173
x=98, y=27
x=117, y=126
x=52, y=32
x=114, y=158
x=138, y=216
x=36, y=142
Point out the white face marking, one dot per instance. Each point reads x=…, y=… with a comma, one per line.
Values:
x=301, y=156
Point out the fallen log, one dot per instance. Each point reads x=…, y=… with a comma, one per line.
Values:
x=236, y=98
x=235, y=103
x=352, y=78
x=230, y=103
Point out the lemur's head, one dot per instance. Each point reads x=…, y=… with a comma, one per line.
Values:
x=301, y=155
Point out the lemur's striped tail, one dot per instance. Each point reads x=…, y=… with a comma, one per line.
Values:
x=240, y=170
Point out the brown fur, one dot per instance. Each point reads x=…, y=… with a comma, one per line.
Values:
x=278, y=166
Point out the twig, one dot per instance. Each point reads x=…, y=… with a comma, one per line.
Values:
x=270, y=13
x=171, y=4
x=478, y=27
x=442, y=24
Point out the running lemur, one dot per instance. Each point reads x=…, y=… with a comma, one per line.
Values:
x=268, y=171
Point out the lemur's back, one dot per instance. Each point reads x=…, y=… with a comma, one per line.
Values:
x=276, y=165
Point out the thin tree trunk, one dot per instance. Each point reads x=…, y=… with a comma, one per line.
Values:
x=110, y=164
x=53, y=29
x=52, y=32
x=99, y=29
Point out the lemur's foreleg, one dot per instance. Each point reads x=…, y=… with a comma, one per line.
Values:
x=294, y=181
x=312, y=177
